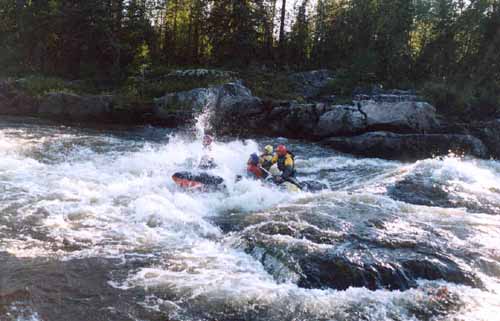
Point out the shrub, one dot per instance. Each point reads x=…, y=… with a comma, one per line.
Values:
x=462, y=100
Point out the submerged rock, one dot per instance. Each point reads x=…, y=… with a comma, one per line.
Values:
x=408, y=146
x=344, y=248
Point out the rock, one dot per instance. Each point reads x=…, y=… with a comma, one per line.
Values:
x=16, y=102
x=313, y=249
x=201, y=73
x=75, y=107
x=294, y=120
x=340, y=120
x=408, y=146
x=403, y=117
x=191, y=101
x=230, y=106
x=489, y=133
x=309, y=84
x=423, y=187
x=390, y=96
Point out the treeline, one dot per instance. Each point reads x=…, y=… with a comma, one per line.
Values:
x=395, y=42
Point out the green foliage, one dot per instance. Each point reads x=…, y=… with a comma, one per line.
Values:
x=467, y=101
x=269, y=85
x=447, y=98
x=346, y=82
x=127, y=43
x=159, y=82
x=37, y=85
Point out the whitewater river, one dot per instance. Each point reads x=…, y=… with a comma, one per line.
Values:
x=92, y=228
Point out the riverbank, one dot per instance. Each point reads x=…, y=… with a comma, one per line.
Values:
x=391, y=124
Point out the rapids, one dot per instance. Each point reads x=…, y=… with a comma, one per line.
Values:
x=93, y=228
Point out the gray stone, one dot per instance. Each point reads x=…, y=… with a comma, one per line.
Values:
x=75, y=107
x=340, y=120
x=403, y=117
x=408, y=146
x=309, y=84
x=191, y=101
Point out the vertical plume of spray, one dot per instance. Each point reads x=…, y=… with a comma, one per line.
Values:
x=202, y=124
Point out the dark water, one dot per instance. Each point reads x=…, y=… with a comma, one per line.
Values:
x=92, y=228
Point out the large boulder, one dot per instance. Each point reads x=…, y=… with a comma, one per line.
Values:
x=408, y=146
x=294, y=120
x=401, y=117
x=237, y=111
x=489, y=133
x=230, y=106
x=340, y=120
x=74, y=107
x=309, y=84
x=191, y=101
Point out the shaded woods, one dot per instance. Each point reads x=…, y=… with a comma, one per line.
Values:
x=450, y=48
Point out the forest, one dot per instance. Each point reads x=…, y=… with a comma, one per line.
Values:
x=449, y=48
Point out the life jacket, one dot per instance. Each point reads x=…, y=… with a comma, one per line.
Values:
x=286, y=161
x=266, y=161
x=255, y=171
x=286, y=164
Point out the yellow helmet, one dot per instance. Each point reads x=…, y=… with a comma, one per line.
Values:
x=268, y=149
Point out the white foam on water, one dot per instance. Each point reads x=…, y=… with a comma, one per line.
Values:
x=116, y=201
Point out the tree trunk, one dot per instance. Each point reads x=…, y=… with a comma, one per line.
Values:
x=282, y=26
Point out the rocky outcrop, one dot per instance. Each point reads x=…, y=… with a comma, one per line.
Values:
x=189, y=102
x=387, y=96
x=75, y=107
x=408, y=146
x=489, y=133
x=341, y=120
x=400, y=117
x=229, y=105
x=309, y=84
x=388, y=124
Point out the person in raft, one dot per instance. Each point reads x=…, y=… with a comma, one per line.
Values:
x=286, y=164
x=266, y=158
x=207, y=162
x=254, y=168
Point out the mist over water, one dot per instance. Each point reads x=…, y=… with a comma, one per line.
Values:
x=93, y=228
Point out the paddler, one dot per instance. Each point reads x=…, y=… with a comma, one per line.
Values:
x=286, y=164
x=207, y=162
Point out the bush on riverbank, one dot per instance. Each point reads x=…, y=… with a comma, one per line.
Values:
x=462, y=100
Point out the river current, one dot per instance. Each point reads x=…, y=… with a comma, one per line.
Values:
x=93, y=228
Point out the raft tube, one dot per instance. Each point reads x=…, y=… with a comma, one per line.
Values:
x=199, y=181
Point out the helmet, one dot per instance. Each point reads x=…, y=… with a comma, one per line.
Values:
x=268, y=149
x=254, y=159
x=281, y=150
x=207, y=140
